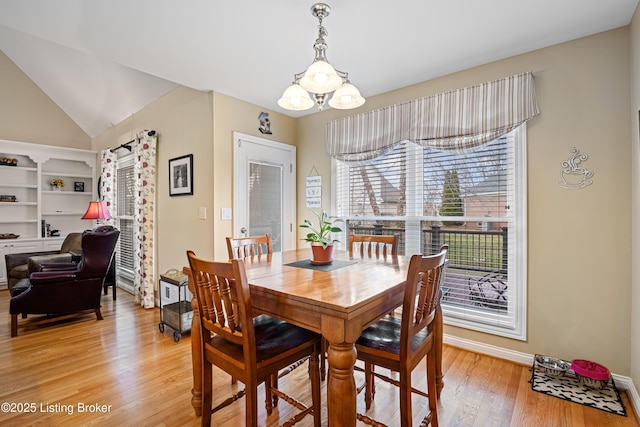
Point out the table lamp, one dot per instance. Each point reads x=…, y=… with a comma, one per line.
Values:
x=97, y=210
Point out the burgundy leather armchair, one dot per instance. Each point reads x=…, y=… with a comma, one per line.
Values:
x=64, y=288
x=20, y=265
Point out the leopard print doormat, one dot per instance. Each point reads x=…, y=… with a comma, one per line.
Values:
x=568, y=387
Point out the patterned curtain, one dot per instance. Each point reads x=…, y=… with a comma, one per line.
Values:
x=455, y=121
x=107, y=184
x=144, y=168
x=144, y=151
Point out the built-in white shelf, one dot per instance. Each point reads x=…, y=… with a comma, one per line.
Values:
x=18, y=203
x=79, y=213
x=18, y=168
x=67, y=193
x=66, y=175
x=33, y=186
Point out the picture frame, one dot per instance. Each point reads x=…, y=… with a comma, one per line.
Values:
x=181, y=176
x=78, y=187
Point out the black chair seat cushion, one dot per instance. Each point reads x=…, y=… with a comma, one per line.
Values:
x=384, y=335
x=273, y=337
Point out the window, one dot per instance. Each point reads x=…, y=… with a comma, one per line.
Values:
x=125, y=220
x=474, y=202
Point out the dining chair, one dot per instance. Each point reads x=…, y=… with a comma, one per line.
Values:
x=400, y=344
x=251, y=349
x=246, y=248
x=242, y=247
x=375, y=245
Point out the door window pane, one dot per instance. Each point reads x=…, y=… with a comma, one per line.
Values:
x=265, y=202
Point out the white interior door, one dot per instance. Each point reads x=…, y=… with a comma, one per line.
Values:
x=264, y=190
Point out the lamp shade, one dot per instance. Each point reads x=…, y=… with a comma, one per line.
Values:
x=295, y=98
x=320, y=77
x=345, y=97
x=97, y=210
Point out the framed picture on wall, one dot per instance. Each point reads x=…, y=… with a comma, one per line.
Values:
x=181, y=176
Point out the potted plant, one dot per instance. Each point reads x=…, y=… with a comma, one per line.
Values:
x=57, y=184
x=320, y=237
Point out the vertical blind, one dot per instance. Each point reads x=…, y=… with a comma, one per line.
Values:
x=125, y=206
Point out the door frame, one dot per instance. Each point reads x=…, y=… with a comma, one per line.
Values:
x=289, y=233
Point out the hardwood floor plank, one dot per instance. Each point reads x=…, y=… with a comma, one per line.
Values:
x=124, y=362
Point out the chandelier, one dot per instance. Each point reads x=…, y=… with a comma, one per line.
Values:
x=320, y=80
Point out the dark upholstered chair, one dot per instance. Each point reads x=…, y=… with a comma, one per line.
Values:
x=250, y=349
x=19, y=266
x=401, y=344
x=65, y=288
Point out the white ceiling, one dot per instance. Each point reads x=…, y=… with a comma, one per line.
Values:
x=102, y=61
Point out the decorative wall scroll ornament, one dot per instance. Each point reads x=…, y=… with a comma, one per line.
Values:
x=265, y=123
x=573, y=176
x=314, y=189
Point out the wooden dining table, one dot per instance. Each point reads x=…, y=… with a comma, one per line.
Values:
x=338, y=300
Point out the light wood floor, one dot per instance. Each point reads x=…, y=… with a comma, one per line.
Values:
x=141, y=377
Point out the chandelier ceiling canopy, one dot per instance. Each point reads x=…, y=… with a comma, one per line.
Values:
x=321, y=80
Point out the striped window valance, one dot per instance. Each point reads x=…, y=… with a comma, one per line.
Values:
x=455, y=121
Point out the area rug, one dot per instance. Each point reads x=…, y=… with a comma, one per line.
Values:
x=568, y=387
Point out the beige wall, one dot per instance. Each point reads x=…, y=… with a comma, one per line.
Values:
x=193, y=122
x=635, y=198
x=579, y=282
x=232, y=115
x=183, y=122
x=27, y=114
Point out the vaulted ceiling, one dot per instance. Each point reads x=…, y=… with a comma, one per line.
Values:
x=102, y=61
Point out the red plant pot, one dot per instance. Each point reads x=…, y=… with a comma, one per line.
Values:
x=321, y=255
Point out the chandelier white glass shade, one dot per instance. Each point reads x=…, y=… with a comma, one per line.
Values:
x=320, y=80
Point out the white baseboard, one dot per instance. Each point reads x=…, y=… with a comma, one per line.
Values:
x=622, y=382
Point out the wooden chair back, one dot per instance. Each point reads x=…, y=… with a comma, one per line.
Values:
x=423, y=279
x=243, y=247
x=378, y=245
x=222, y=294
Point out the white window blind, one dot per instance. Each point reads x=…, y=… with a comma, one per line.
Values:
x=473, y=202
x=125, y=206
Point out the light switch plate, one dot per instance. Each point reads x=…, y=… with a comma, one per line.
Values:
x=202, y=213
x=226, y=214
